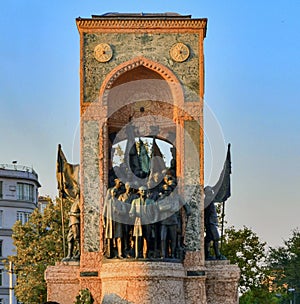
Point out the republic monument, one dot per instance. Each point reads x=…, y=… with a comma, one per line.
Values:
x=144, y=73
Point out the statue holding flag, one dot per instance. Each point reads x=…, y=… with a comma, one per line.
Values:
x=68, y=185
x=211, y=226
x=74, y=231
x=216, y=194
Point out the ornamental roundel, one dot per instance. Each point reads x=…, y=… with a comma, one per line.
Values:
x=103, y=52
x=179, y=52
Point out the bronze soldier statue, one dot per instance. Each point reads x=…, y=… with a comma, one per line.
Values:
x=211, y=226
x=74, y=230
x=168, y=207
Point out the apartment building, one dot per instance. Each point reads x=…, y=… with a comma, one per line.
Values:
x=18, y=198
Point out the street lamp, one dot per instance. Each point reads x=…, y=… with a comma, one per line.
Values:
x=293, y=290
x=11, y=286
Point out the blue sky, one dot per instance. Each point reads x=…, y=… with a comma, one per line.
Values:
x=252, y=88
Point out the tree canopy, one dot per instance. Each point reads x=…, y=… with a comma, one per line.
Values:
x=244, y=248
x=38, y=244
x=284, y=265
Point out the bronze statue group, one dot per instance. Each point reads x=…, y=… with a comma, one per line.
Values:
x=145, y=223
x=145, y=217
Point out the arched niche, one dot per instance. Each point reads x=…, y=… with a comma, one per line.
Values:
x=143, y=94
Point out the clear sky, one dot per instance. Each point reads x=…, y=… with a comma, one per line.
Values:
x=252, y=81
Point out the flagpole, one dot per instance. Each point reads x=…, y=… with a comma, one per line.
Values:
x=61, y=204
x=62, y=222
x=222, y=225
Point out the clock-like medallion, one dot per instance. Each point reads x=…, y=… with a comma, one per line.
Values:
x=179, y=52
x=103, y=52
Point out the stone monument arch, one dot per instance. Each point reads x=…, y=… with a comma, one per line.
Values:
x=145, y=71
x=142, y=89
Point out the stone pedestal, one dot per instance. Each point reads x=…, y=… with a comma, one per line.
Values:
x=194, y=287
x=143, y=282
x=62, y=282
x=222, y=280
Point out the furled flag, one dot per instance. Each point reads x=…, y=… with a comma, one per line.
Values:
x=67, y=176
x=157, y=163
x=222, y=187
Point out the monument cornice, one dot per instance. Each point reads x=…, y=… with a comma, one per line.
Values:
x=142, y=24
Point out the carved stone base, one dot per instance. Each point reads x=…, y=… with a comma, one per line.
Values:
x=194, y=287
x=222, y=281
x=62, y=282
x=143, y=282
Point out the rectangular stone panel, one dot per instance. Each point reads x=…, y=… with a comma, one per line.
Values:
x=91, y=186
x=191, y=180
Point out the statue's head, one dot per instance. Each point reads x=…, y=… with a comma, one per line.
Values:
x=142, y=191
x=118, y=182
x=208, y=191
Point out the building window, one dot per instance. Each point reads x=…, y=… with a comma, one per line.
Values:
x=1, y=250
x=25, y=192
x=1, y=220
x=23, y=217
x=1, y=301
x=1, y=277
x=1, y=194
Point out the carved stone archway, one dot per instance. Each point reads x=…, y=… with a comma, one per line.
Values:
x=162, y=71
x=144, y=93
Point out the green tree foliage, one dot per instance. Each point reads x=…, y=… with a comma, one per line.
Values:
x=38, y=244
x=243, y=247
x=259, y=295
x=284, y=264
x=84, y=297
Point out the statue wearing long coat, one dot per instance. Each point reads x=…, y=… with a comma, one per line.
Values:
x=112, y=211
x=142, y=211
x=108, y=218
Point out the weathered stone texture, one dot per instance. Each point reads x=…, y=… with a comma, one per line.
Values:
x=195, y=292
x=62, y=282
x=222, y=281
x=91, y=186
x=144, y=282
x=194, y=225
x=153, y=46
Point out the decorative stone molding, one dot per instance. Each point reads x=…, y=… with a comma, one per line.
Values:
x=84, y=24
